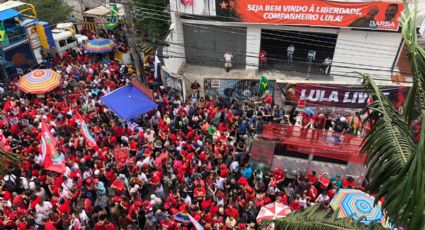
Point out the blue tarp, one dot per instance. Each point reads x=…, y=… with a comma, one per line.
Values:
x=128, y=102
x=8, y=13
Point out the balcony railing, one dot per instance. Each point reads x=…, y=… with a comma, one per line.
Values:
x=14, y=35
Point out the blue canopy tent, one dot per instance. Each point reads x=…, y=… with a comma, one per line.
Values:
x=128, y=102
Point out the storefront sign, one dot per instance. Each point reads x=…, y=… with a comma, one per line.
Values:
x=344, y=96
x=370, y=15
x=33, y=36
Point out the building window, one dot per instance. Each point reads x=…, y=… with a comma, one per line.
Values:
x=62, y=43
x=70, y=40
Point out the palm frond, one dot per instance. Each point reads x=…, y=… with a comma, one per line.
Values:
x=406, y=203
x=417, y=57
x=389, y=145
x=315, y=219
x=8, y=160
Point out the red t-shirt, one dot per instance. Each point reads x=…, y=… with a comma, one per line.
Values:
x=295, y=207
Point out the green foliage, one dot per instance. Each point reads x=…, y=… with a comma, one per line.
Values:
x=7, y=161
x=151, y=18
x=396, y=163
x=52, y=11
x=315, y=219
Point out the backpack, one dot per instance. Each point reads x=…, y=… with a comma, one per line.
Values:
x=10, y=184
x=36, y=182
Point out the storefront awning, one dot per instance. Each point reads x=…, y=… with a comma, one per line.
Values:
x=8, y=13
x=103, y=11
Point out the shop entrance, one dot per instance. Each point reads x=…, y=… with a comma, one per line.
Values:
x=276, y=42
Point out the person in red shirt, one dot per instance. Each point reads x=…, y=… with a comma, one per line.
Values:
x=100, y=225
x=109, y=225
x=231, y=211
x=166, y=224
x=295, y=205
x=312, y=178
x=263, y=58
x=49, y=225
x=324, y=182
x=278, y=175
x=348, y=182
x=119, y=186
x=64, y=206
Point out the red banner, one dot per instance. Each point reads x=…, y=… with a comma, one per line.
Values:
x=370, y=15
x=121, y=154
x=344, y=96
x=316, y=142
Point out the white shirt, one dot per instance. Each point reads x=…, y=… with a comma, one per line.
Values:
x=83, y=217
x=219, y=182
x=234, y=166
x=45, y=209
x=24, y=183
x=87, y=174
x=228, y=57
x=188, y=200
x=68, y=185
x=76, y=224
x=68, y=69
x=291, y=49
x=328, y=61
x=142, y=176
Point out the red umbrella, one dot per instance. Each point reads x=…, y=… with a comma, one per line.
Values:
x=273, y=211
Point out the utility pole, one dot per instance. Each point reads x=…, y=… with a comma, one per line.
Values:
x=130, y=34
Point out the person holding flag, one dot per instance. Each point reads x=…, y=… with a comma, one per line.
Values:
x=90, y=141
x=112, y=21
x=52, y=159
x=264, y=83
x=265, y=94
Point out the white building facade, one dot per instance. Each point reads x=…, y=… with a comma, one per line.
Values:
x=199, y=35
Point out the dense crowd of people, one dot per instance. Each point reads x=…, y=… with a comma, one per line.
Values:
x=184, y=157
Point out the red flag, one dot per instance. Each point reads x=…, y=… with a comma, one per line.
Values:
x=91, y=142
x=3, y=143
x=53, y=160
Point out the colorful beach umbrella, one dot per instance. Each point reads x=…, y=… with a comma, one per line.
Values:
x=273, y=211
x=99, y=46
x=39, y=81
x=355, y=203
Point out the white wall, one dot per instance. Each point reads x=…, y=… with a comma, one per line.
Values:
x=197, y=7
x=365, y=51
x=80, y=5
x=175, y=39
x=253, y=43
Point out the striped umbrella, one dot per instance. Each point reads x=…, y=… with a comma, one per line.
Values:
x=273, y=211
x=355, y=203
x=39, y=81
x=99, y=46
